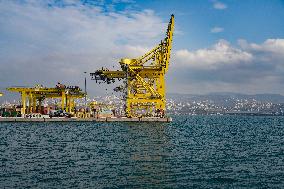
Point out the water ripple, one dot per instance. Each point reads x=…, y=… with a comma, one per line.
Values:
x=190, y=152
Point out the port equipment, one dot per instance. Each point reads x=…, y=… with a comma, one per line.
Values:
x=1, y=94
x=144, y=79
x=37, y=94
x=101, y=109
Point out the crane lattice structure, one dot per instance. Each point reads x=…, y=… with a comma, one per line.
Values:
x=144, y=78
x=37, y=94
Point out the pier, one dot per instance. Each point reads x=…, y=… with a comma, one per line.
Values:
x=100, y=119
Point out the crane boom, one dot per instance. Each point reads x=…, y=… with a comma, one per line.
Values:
x=145, y=78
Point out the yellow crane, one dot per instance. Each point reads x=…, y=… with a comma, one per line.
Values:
x=144, y=78
x=37, y=94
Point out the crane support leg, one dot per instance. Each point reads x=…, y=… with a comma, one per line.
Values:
x=23, y=112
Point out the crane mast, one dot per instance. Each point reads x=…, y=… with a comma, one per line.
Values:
x=144, y=79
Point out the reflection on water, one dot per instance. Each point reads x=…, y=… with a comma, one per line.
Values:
x=148, y=147
x=196, y=151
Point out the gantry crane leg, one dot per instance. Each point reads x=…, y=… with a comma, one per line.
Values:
x=23, y=110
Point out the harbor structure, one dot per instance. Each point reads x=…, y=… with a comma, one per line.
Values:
x=144, y=86
x=32, y=97
x=144, y=89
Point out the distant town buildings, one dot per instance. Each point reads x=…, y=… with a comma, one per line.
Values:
x=234, y=106
x=187, y=106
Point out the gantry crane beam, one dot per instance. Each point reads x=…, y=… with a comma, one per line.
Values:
x=145, y=77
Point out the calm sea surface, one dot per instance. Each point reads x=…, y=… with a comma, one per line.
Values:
x=190, y=152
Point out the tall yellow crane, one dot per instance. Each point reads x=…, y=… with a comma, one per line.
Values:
x=144, y=78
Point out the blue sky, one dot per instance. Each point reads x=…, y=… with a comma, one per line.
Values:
x=254, y=20
x=219, y=46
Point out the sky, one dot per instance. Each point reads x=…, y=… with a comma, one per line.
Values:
x=218, y=45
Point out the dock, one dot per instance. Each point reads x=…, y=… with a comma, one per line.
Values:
x=100, y=119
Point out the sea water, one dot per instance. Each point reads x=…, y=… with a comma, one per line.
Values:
x=190, y=152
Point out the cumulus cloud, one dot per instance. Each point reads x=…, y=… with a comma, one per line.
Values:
x=219, y=5
x=44, y=42
x=275, y=46
x=208, y=58
x=270, y=51
x=216, y=30
x=248, y=68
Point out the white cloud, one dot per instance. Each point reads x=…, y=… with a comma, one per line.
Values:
x=221, y=53
x=42, y=44
x=270, y=51
x=247, y=68
x=216, y=30
x=219, y=5
x=270, y=45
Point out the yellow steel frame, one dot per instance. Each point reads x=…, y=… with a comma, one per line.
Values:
x=145, y=77
x=36, y=95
